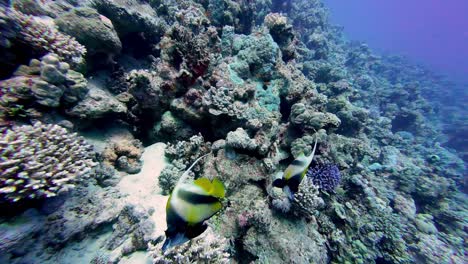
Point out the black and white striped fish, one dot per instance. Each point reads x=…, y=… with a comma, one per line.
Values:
x=294, y=173
x=189, y=205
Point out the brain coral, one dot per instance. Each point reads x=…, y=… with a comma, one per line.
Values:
x=41, y=161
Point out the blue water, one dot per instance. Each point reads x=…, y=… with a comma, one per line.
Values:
x=430, y=32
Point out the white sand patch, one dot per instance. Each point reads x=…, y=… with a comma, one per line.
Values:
x=136, y=258
x=142, y=189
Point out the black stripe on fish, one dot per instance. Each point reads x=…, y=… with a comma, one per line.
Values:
x=174, y=221
x=298, y=162
x=280, y=183
x=294, y=182
x=196, y=198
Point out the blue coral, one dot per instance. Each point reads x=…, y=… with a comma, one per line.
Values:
x=325, y=176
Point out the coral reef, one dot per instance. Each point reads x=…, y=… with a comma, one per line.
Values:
x=97, y=104
x=252, y=84
x=41, y=161
x=207, y=248
x=47, y=82
x=91, y=29
x=123, y=152
x=325, y=176
x=181, y=155
x=43, y=36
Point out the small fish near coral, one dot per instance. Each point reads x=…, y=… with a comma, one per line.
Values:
x=189, y=205
x=294, y=173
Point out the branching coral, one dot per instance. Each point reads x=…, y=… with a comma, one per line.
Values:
x=181, y=155
x=45, y=37
x=41, y=161
x=206, y=248
x=325, y=176
x=307, y=201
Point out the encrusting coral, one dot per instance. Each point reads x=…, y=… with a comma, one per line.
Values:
x=123, y=152
x=41, y=161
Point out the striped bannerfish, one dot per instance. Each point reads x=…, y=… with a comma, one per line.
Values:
x=294, y=173
x=189, y=205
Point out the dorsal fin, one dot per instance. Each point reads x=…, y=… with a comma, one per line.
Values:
x=186, y=173
x=311, y=156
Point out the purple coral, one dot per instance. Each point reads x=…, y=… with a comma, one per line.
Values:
x=325, y=176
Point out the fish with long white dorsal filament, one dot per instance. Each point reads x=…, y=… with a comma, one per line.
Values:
x=189, y=206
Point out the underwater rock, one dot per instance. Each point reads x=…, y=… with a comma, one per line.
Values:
x=256, y=79
x=282, y=33
x=152, y=90
x=89, y=209
x=181, y=155
x=16, y=235
x=306, y=118
x=133, y=19
x=106, y=175
x=234, y=172
x=97, y=104
x=240, y=140
x=260, y=54
x=188, y=151
x=44, y=161
x=431, y=249
x=189, y=53
x=170, y=175
x=405, y=206
x=275, y=246
x=133, y=229
x=43, y=36
x=91, y=29
x=48, y=82
x=424, y=224
x=171, y=128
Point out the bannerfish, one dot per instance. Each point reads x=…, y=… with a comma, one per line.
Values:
x=189, y=205
x=294, y=173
